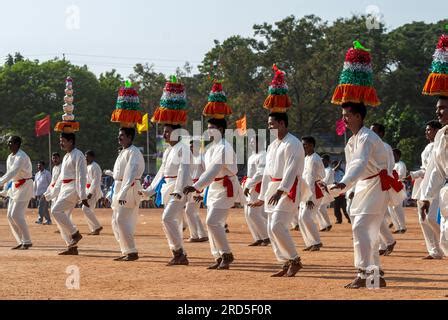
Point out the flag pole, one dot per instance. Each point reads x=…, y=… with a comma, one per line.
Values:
x=147, y=149
x=49, y=150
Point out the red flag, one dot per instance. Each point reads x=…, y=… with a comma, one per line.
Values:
x=340, y=127
x=43, y=127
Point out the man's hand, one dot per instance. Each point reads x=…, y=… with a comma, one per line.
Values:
x=189, y=189
x=424, y=209
x=198, y=199
x=275, y=198
x=89, y=196
x=310, y=205
x=338, y=186
x=85, y=203
x=256, y=204
x=176, y=195
x=246, y=192
x=122, y=202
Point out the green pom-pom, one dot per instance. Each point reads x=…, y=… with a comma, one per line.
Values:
x=128, y=84
x=358, y=78
x=173, y=104
x=439, y=67
x=278, y=91
x=173, y=79
x=217, y=97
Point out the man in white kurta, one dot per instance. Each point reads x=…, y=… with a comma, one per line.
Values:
x=322, y=216
x=223, y=191
x=367, y=167
x=19, y=172
x=397, y=212
x=94, y=193
x=256, y=217
x=430, y=226
x=174, y=173
x=387, y=241
x=434, y=183
x=72, y=189
x=197, y=168
x=281, y=192
x=128, y=170
x=52, y=192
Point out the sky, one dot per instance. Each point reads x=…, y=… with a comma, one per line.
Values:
x=117, y=34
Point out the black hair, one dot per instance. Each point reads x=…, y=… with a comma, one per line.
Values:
x=90, y=153
x=310, y=140
x=69, y=137
x=326, y=157
x=220, y=123
x=356, y=108
x=443, y=98
x=434, y=124
x=278, y=116
x=56, y=154
x=381, y=128
x=16, y=140
x=173, y=126
x=41, y=162
x=130, y=132
x=397, y=151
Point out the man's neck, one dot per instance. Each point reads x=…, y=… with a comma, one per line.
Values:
x=15, y=152
x=70, y=150
x=356, y=130
x=282, y=135
x=128, y=146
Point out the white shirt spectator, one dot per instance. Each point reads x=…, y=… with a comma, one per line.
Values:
x=41, y=182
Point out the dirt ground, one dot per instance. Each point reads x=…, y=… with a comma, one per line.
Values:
x=40, y=273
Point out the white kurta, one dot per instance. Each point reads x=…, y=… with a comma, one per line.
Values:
x=284, y=160
x=366, y=156
x=94, y=175
x=18, y=167
x=128, y=170
x=256, y=217
x=175, y=169
x=73, y=167
x=52, y=192
x=220, y=161
x=435, y=184
x=418, y=175
x=197, y=230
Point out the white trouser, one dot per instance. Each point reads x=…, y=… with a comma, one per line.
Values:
x=281, y=240
x=16, y=219
x=216, y=221
x=386, y=237
x=172, y=222
x=124, y=221
x=444, y=235
x=308, y=227
x=257, y=221
x=92, y=220
x=366, y=230
x=322, y=217
x=431, y=229
x=398, y=217
x=62, y=213
x=194, y=222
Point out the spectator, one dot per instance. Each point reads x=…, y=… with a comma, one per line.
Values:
x=42, y=180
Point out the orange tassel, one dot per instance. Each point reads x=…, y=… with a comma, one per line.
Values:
x=277, y=103
x=126, y=116
x=67, y=127
x=169, y=116
x=436, y=85
x=356, y=94
x=217, y=110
